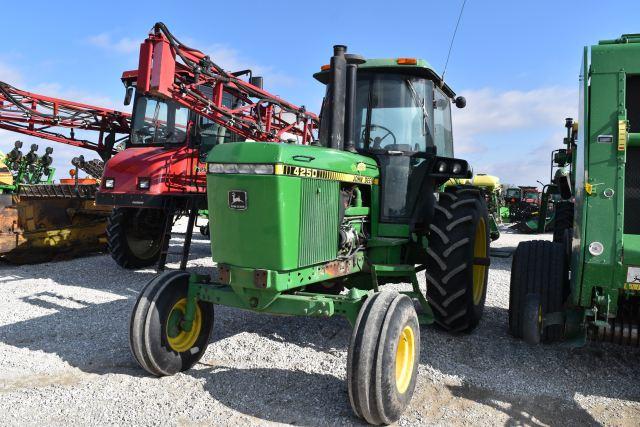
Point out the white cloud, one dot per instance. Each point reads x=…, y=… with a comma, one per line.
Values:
x=107, y=42
x=528, y=116
x=491, y=112
x=231, y=60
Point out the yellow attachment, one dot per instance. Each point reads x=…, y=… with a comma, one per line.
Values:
x=457, y=181
x=588, y=188
x=479, y=251
x=489, y=181
x=405, y=358
x=622, y=135
x=6, y=177
x=178, y=339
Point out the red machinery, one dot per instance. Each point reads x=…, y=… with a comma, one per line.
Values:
x=38, y=115
x=184, y=104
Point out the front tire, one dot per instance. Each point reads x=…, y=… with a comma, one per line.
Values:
x=134, y=236
x=383, y=356
x=158, y=342
x=458, y=259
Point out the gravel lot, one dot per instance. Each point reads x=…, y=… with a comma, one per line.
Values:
x=64, y=358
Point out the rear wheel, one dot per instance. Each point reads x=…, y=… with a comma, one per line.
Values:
x=458, y=259
x=538, y=276
x=158, y=341
x=134, y=236
x=563, y=220
x=383, y=356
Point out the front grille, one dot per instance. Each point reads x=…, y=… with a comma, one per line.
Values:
x=632, y=192
x=319, y=218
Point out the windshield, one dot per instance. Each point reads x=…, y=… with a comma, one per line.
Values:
x=158, y=122
x=531, y=195
x=394, y=112
x=513, y=192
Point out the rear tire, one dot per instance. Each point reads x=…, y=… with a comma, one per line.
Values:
x=134, y=236
x=383, y=356
x=157, y=343
x=458, y=259
x=538, y=270
x=563, y=220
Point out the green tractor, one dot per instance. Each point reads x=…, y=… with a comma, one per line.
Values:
x=317, y=230
x=586, y=283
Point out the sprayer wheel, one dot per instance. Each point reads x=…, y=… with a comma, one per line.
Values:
x=538, y=269
x=383, y=356
x=134, y=236
x=458, y=259
x=158, y=342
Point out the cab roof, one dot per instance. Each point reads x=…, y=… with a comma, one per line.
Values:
x=420, y=68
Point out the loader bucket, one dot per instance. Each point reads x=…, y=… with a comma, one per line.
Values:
x=46, y=222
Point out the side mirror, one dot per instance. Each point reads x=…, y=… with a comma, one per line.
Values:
x=127, y=95
x=460, y=102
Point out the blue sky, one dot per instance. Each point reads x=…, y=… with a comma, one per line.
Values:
x=516, y=62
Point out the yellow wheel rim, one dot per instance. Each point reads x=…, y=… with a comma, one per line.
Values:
x=405, y=355
x=479, y=251
x=180, y=340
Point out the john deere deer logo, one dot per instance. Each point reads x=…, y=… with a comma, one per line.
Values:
x=238, y=199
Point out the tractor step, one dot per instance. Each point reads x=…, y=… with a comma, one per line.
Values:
x=409, y=271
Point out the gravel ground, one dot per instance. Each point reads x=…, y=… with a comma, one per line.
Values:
x=64, y=359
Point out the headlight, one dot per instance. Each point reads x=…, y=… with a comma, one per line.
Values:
x=456, y=169
x=109, y=183
x=144, y=183
x=215, y=168
x=241, y=168
x=441, y=167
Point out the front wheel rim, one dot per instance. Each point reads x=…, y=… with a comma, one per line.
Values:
x=479, y=251
x=405, y=357
x=180, y=340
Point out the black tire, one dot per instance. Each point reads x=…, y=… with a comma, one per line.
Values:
x=458, y=257
x=563, y=220
x=134, y=236
x=538, y=268
x=387, y=322
x=531, y=319
x=149, y=337
x=204, y=230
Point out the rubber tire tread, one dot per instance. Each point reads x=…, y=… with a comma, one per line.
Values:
x=452, y=302
x=117, y=241
x=563, y=220
x=538, y=267
x=361, y=356
x=142, y=342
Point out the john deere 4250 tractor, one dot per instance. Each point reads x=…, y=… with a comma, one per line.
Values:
x=317, y=230
x=587, y=282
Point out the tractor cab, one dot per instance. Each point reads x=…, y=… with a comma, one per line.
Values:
x=401, y=116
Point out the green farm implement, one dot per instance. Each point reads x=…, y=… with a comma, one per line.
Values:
x=586, y=283
x=318, y=230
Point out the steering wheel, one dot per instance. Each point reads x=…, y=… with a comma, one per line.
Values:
x=377, y=140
